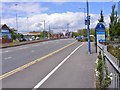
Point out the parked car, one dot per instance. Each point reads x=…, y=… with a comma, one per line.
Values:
x=22, y=39
x=37, y=38
x=79, y=38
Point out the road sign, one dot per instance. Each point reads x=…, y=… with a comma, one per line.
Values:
x=88, y=17
x=100, y=33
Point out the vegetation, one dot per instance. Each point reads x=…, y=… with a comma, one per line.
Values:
x=114, y=26
x=103, y=79
x=115, y=51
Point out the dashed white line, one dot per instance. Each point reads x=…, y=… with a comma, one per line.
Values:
x=55, y=69
x=23, y=48
x=6, y=51
x=32, y=51
x=7, y=58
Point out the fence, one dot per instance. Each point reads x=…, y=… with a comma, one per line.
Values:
x=113, y=66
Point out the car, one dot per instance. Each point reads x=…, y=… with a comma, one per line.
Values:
x=22, y=39
x=79, y=38
x=37, y=38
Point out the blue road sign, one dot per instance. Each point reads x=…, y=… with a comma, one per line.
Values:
x=100, y=33
x=88, y=17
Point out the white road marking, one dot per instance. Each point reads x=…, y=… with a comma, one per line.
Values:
x=32, y=51
x=6, y=51
x=45, y=42
x=22, y=48
x=7, y=58
x=36, y=45
x=55, y=69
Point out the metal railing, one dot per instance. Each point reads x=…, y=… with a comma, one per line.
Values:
x=113, y=66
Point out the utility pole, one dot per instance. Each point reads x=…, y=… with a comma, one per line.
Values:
x=88, y=22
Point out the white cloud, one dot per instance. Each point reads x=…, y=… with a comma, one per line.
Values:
x=29, y=7
x=57, y=21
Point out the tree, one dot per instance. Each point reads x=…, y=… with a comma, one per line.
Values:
x=114, y=26
x=101, y=17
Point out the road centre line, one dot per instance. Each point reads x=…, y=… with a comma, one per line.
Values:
x=56, y=68
x=7, y=58
x=33, y=62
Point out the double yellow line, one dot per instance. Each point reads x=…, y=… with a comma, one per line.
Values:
x=33, y=62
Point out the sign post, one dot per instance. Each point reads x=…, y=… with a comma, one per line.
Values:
x=100, y=34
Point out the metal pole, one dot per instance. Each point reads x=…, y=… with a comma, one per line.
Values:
x=44, y=30
x=84, y=17
x=49, y=31
x=67, y=29
x=27, y=24
x=16, y=17
x=89, y=49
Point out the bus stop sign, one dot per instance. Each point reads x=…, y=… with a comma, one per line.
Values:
x=100, y=33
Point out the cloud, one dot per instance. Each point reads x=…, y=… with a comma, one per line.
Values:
x=57, y=21
x=23, y=8
x=29, y=7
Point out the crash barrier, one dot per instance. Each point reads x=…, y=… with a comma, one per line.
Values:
x=112, y=65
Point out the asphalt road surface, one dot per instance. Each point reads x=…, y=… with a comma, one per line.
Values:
x=77, y=71
x=16, y=56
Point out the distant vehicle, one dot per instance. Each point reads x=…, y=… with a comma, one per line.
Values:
x=79, y=38
x=30, y=39
x=33, y=37
x=37, y=38
x=22, y=39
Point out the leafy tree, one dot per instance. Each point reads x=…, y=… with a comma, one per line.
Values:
x=114, y=26
x=74, y=34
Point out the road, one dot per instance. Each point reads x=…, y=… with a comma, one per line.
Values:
x=16, y=56
x=71, y=67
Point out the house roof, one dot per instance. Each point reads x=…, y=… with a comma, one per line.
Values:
x=5, y=26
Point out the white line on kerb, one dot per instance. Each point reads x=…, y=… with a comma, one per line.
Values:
x=46, y=77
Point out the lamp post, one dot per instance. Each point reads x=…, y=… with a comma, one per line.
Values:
x=16, y=17
x=44, y=30
x=68, y=29
x=84, y=15
x=88, y=22
x=27, y=23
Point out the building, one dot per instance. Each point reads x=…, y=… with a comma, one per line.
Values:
x=5, y=34
x=31, y=34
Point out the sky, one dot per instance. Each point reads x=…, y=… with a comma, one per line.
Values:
x=30, y=15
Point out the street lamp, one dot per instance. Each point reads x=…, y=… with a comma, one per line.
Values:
x=27, y=23
x=67, y=29
x=16, y=17
x=84, y=15
x=88, y=22
x=43, y=28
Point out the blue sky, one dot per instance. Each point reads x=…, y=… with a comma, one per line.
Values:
x=94, y=7
x=57, y=14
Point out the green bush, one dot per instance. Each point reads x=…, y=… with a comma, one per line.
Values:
x=115, y=51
